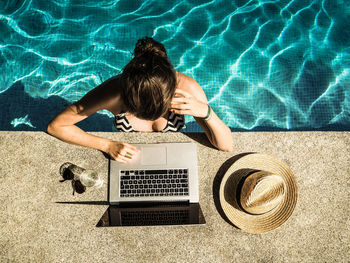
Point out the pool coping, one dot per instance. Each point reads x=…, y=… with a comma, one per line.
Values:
x=44, y=222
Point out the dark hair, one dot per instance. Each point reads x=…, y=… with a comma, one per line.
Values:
x=149, y=80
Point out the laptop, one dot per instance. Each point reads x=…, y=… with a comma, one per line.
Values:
x=159, y=186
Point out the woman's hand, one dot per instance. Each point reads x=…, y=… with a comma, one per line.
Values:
x=185, y=103
x=121, y=151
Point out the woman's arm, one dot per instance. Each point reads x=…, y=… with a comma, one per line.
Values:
x=190, y=99
x=63, y=128
x=63, y=125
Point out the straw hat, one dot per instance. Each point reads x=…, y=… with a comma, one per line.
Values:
x=258, y=193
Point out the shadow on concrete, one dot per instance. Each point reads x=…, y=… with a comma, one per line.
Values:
x=217, y=181
x=85, y=203
x=199, y=137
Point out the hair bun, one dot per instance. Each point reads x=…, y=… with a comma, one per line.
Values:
x=149, y=45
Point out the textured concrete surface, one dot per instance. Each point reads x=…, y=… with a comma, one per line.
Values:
x=41, y=221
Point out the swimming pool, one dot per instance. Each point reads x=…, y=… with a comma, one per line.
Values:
x=263, y=64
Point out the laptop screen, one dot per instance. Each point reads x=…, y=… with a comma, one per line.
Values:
x=152, y=214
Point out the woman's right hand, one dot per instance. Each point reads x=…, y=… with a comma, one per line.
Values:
x=121, y=151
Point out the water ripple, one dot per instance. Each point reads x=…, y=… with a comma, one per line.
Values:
x=281, y=64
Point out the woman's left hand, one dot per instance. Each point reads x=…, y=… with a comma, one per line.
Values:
x=185, y=103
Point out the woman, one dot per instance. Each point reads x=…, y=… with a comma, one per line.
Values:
x=148, y=96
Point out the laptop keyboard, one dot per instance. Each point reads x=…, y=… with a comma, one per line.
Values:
x=139, y=183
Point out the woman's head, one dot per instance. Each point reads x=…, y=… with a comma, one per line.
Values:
x=149, y=80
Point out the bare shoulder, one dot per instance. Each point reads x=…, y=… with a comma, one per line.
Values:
x=104, y=96
x=191, y=86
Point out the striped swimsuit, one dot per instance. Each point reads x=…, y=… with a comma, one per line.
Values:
x=175, y=123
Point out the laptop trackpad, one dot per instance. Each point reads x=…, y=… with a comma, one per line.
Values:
x=155, y=155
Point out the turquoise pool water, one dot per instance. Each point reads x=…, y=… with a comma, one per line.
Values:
x=264, y=64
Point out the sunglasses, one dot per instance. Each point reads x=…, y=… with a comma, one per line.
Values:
x=67, y=174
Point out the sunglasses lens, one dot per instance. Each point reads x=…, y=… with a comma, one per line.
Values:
x=67, y=174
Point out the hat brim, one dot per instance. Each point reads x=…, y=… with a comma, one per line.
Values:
x=264, y=222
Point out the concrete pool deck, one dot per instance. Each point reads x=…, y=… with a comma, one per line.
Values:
x=41, y=221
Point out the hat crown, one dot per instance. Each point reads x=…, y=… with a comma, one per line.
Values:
x=261, y=192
